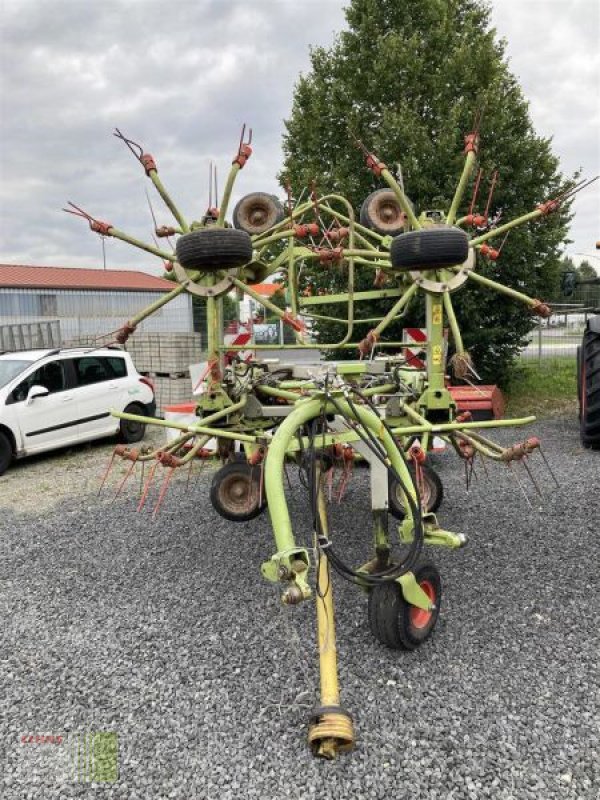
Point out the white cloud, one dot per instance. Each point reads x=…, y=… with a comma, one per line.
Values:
x=181, y=78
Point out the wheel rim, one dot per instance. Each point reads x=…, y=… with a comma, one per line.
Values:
x=427, y=491
x=238, y=493
x=133, y=428
x=419, y=618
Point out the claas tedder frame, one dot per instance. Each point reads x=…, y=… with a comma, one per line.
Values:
x=263, y=411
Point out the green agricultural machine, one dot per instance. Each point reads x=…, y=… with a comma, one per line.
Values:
x=323, y=415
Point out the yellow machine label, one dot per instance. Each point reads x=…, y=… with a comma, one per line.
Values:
x=437, y=315
x=437, y=355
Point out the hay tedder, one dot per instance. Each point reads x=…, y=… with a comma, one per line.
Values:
x=324, y=415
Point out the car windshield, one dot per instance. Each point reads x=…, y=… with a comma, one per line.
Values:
x=9, y=369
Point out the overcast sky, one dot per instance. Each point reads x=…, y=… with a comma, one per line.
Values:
x=181, y=78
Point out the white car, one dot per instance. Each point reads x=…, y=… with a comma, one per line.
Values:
x=55, y=398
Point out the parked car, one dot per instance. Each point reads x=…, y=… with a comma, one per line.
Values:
x=54, y=398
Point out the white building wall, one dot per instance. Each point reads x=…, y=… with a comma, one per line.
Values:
x=93, y=312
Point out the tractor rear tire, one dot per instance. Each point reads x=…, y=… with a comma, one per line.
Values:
x=213, y=249
x=381, y=212
x=430, y=248
x=579, y=381
x=433, y=491
x=235, y=492
x=396, y=623
x=257, y=212
x=589, y=386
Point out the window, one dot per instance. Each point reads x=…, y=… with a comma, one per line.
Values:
x=118, y=366
x=91, y=369
x=9, y=369
x=51, y=376
x=95, y=369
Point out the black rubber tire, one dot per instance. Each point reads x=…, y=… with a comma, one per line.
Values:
x=212, y=249
x=589, y=416
x=430, y=248
x=434, y=485
x=257, y=212
x=6, y=453
x=396, y=623
x=381, y=212
x=130, y=431
x=579, y=381
x=239, y=476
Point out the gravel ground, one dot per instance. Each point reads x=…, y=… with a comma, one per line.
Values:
x=164, y=632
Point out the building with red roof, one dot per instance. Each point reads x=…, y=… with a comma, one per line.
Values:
x=87, y=303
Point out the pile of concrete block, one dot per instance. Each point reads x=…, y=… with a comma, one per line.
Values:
x=30, y=335
x=165, y=359
x=165, y=353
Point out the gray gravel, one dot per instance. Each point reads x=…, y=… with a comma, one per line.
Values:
x=165, y=632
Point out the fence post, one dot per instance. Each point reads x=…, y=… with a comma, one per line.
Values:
x=540, y=342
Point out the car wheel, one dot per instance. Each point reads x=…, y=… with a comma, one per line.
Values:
x=131, y=431
x=6, y=453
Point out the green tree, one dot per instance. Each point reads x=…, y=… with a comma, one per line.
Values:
x=408, y=78
x=585, y=270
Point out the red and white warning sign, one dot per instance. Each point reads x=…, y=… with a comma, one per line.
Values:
x=238, y=333
x=415, y=356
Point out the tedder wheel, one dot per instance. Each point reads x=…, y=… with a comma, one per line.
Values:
x=6, y=453
x=396, y=623
x=235, y=492
x=129, y=430
x=381, y=212
x=432, y=492
x=440, y=246
x=213, y=249
x=257, y=212
x=589, y=385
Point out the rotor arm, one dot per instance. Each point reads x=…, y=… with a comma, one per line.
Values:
x=165, y=197
x=534, y=305
x=373, y=335
x=470, y=160
x=401, y=197
x=453, y=322
x=124, y=237
x=508, y=226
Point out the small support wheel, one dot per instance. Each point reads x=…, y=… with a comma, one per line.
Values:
x=213, y=249
x=381, y=212
x=432, y=491
x=396, y=623
x=430, y=248
x=257, y=212
x=235, y=492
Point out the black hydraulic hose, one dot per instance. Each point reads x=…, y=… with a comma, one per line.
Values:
x=325, y=544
